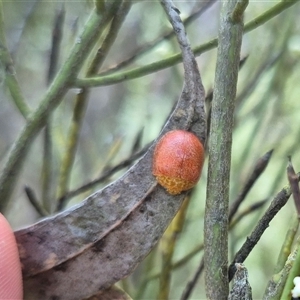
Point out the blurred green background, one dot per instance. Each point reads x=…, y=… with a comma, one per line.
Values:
x=267, y=117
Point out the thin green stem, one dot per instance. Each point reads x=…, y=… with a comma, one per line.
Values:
x=140, y=71
x=71, y=144
x=47, y=167
x=238, y=12
x=286, y=294
x=269, y=14
x=82, y=102
x=9, y=71
x=278, y=280
x=284, y=263
x=287, y=245
x=168, y=244
x=100, y=5
x=34, y=201
x=222, y=115
x=53, y=97
x=177, y=58
x=163, y=38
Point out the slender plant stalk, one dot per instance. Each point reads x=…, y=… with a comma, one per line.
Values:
x=269, y=14
x=34, y=202
x=47, y=171
x=168, y=246
x=287, y=245
x=181, y=262
x=71, y=144
x=10, y=74
x=47, y=167
x=150, y=264
x=260, y=166
x=177, y=58
x=222, y=113
x=57, y=36
x=82, y=102
x=277, y=282
x=277, y=203
x=164, y=37
x=286, y=294
x=100, y=5
x=284, y=264
x=53, y=97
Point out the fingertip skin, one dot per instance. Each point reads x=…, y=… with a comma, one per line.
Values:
x=10, y=267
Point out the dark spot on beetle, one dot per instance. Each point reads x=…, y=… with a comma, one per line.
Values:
x=54, y=297
x=98, y=246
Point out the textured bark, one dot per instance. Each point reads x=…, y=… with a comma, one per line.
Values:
x=220, y=139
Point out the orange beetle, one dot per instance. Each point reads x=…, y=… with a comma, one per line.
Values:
x=178, y=160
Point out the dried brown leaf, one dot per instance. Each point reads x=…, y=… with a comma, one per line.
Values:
x=96, y=243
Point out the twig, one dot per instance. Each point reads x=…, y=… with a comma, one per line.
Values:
x=192, y=283
x=193, y=87
x=137, y=142
x=56, y=43
x=168, y=246
x=35, y=203
x=70, y=148
x=150, y=262
x=253, y=207
x=284, y=264
x=222, y=115
x=47, y=167
x=258, y=170
x=294, y=183
x=100, y=6
x=277, y=203
x=294, y=271
x=238, y=11
x=287, y=245
x=82, y=101
x=51, y=100
x=269, y=14
x=209, y=98
x=164, y=37
x=252, y=83
x=190, y=286
x=276, y=284
x=191, y=72
x=10, y=74
x=104, y=176
x=176, y=58
x=57, y=34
